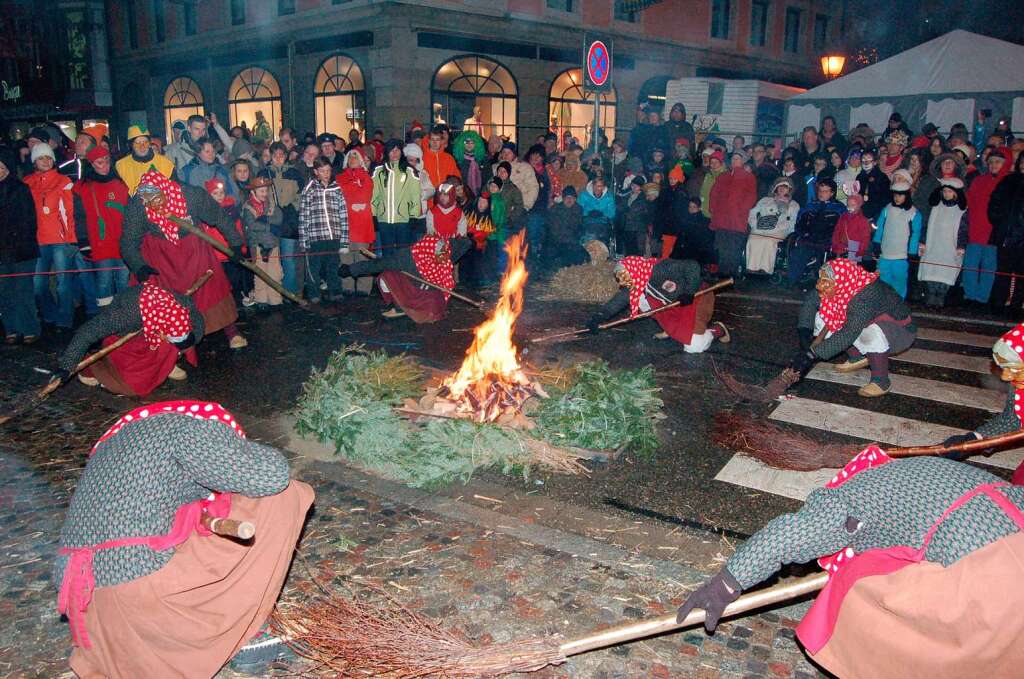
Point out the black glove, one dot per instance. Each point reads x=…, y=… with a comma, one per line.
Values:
x=144, y=272
x=713, y=596
x=593, y=323
x=803, y=361
x=955, y=439
x=806, y=336
x=236, y=252
x=876, y=249
x=265, y=255
x=685, y=300
x=61, y=375
x=344, y=271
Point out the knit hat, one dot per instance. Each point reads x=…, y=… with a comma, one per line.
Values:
x=413, y=151
x=39, y=133
x=212, y=185
x=719, y=156
x=898, y=137
x=240, y=148
x=952, y=182
x=742, y=154
x=901, y=181
x=782, y=181
x=137, y=130
x=97, y=132
x=677, y=173
x=964, y=149
x=178, y=125
x=507, y=166
x=498, y=181
x=569, y=191
x=652, y=188
x=40, y=150
x=509, y=145
x=96, y=153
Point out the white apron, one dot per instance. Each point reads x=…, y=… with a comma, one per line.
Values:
x=941, y=262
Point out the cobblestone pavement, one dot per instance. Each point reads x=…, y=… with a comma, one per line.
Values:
x=490, y=577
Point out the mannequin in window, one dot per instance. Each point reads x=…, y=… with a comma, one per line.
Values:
x=475, y=122
x=438, y=118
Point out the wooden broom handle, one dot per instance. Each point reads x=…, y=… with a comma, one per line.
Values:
x=629, y=319
x=243, y=530
x=667, y=623
x=1000, y=441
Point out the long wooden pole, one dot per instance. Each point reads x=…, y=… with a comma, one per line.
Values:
x=1001, y=441
x=226, y=251
x=55, y=384
x=243, y=530
x=667, y=623
x=629, y=319
x=479, y=304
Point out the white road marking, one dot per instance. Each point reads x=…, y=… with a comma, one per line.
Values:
x=750, y=473
x=944, y=359
x=932, y=390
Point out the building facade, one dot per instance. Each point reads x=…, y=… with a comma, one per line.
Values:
x=508, y=67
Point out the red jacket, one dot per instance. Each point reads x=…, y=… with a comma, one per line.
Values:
x=103, y=204
x=732, y=196
x=55, y=207
x=851, y=227
x=357, y=187
x=979, y=229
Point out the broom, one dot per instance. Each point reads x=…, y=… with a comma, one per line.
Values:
x=775, y=388
x=479, y=304
x=358, y=638
x=611, y=324
x=784, y=449
x=55, y=384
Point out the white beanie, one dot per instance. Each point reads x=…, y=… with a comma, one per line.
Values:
x=42, y=149
x=413, y=151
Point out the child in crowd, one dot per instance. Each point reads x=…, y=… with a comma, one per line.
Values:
x=240, y=278
x=565, y=227
x=445, y=217
x=323, y=231
x=898, y=234
x=696, y=240
x=944, y=240
x=853, y=232
x=478, y=264
x=262, y=222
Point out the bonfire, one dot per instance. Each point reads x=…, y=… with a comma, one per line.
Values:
x=491, y=385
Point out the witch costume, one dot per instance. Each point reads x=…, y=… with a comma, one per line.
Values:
x=147, y=590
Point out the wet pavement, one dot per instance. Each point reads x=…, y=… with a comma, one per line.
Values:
x=499, y=558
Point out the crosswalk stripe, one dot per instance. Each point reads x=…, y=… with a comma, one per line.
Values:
x=750, y=473
x=906, y=385
x=880, y=427
x=945, y=359
x=967, y=339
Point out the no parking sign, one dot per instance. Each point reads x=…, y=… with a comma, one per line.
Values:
x=597, y=63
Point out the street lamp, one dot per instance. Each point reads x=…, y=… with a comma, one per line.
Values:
x=832, y=65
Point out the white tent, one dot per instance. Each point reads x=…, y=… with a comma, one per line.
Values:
x=942, y=81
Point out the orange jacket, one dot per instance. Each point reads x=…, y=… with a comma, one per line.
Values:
x=439, y=166
x=55, y=212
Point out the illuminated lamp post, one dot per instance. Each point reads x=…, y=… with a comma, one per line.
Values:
x=832, y=65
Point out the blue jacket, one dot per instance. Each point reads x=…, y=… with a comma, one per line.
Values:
x=605, y=204
x=197, y=173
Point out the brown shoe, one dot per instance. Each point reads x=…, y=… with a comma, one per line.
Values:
x=238, y=342
x=88, y=381
x=393, y=312
x=660, y=335
x=721, y=332
x=872, y=390
x=851, y=366
x=177, y=374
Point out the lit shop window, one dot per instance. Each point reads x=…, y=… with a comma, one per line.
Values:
x=182, y=99
x=474, y=92
x=254, y=98
x=572, y=110
x=340, y=96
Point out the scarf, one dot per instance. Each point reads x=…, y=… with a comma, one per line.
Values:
x=499, y=217
x=432, y=257
x=870, y=457
x=200, y=410
x=640, y=269
x=162, y=315
x=850, y=279
x=175, y=206
x=474, y=179
x=258, y=208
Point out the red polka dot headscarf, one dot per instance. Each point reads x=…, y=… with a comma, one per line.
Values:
x=1008, y=351
x=432, y=256
x=199, y=410
x=640, y=269
x=162, y=315
x=175, y=206
x=850, y=278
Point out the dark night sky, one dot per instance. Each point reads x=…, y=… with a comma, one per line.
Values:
x=893, y=26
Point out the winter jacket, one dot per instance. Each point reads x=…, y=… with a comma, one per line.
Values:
x=696, y=240
x=17, y=222
x=605, y=205
x=439, y=166
x=100, y=202
x=131, y=168
x=930, y=181
x=197, y=173
x=55, y=205
x=515, y=208
x=816, y=223
x=705, y=190
x=979, y=196
x=874, y=187
x=765, y=173
x=357, y=187
x=323, y=214
x=637, y=214
x=732, y=196
x=675, y=130
x=768, y=218
x=396, y=195
x=525, y=180
x=572, y=175
x=851, y=227
x=260, y=225
x=1006, y=211
x=565, y=224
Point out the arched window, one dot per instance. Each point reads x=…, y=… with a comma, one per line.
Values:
x=653, y=91
x=182, y=99
x=339, y=96
x=254, y=98
x=475, y=92
x=572, y=110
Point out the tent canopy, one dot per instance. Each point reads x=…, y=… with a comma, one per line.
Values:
x=957, y=62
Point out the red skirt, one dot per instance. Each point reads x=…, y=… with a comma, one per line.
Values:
x=682, y=322
x=422, y=306
x=180, y=265
x=134, y=369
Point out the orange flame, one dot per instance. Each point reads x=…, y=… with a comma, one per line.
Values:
x=492, y=352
